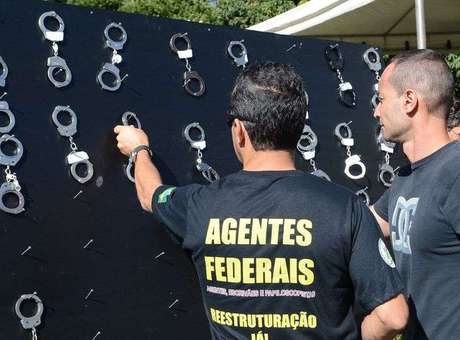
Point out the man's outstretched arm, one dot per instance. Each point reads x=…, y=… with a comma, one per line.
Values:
x=145, y=173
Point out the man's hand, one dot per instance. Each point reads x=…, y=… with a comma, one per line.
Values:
x=128, y=138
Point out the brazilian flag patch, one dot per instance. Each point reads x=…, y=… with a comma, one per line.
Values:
x=164, y=196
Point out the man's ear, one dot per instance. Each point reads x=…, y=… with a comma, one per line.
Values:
x=411, y=101
x=240, y=133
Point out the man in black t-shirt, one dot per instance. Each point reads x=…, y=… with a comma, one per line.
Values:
x=420, y=212
x=280, y=254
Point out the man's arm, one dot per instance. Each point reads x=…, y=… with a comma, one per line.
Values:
x=146, y=174
x=386, y=320
x=384, y=225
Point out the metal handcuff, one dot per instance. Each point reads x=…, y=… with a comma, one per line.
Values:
x=362, y=193
x=4, y=73
x=336, y=65
x=75, y=157
x=30, y=322
x=115, y=45
x=372, y=59
x=125, y=118
x=386, y=172
x=307, y=147
x=55, y=62
x=242, y=58
x=199, y=144
x=187, y=54
x=11, y=185
x=348, y=141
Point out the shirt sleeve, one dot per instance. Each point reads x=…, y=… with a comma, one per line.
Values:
x=371, y=267
x=381, y=206
x=451, y=206
x=170, y=205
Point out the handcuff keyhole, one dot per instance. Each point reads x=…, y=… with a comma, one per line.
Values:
x=64, y=118
x=115, y=34
x=59, y=74
x=109, y=79
x=28, y=307
x=194, y=85
x=82, y=170
x=51, y=24
x=9, y=148
x=4, y=119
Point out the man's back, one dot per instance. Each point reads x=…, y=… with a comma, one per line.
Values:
x=282, y=253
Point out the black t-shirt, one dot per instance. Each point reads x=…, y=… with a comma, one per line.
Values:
x=280, y=254
x=423, y=210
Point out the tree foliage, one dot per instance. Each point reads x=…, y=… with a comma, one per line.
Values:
x=453, y=60
x=240, y=13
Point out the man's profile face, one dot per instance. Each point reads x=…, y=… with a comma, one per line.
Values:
x=389, y=111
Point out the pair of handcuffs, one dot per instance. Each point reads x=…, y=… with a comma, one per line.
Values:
x=112, y=68
x=353, y=160
x=199, y=145
x=240, y=59
x=189, y=74
x=307, y=144
x=372, y=59
x=386, y=171
x=126, y=118
x=75, y=158
x=30, y=322
x=55, y=63
x=336, y=62
x=11, y=185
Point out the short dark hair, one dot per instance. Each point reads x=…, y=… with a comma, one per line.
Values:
x=453, y=120
x=269, y=99
x=427, y=72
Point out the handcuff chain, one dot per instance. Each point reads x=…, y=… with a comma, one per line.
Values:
x=313, y=164
x=55, y=47
x=339, y=75
x=387, y=158
x=73, y=145
x=34, y=334
x=348, y=151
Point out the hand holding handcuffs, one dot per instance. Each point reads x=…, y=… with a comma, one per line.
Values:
x=125, y=119
x=386, y=171
x=112, y=68
x=348, y=141
x=55, y=63
x=30, y=322
x=372, y=59
x=240, y=59
x=75, y=157
x=336, y=64
x=11, y=185
x=187, y=54
x=199, y=144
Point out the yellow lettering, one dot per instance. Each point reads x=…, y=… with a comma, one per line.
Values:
x=309, y=276
x=304, y=239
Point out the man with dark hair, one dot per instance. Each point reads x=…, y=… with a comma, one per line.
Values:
x=421, y=212
x=280, y=254
x=453, y=121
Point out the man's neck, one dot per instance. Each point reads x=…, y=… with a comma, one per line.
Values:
x=426, y=139
x=269, y=161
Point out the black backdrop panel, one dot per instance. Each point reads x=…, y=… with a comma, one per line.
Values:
x=131, y=289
